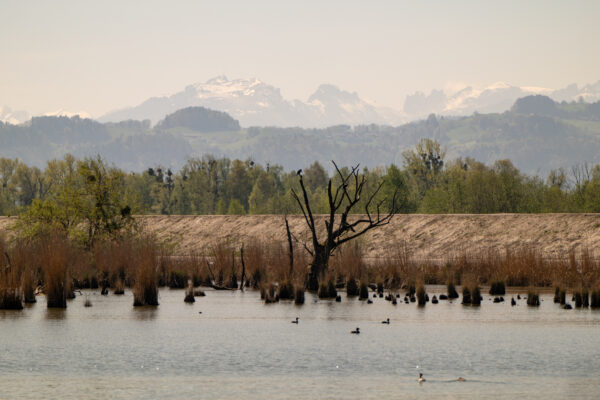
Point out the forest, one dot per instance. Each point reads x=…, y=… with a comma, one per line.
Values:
x=70, y=190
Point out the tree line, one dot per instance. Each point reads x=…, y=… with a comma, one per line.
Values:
x=70, y=189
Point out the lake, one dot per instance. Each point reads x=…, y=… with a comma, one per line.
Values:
x=240, y=347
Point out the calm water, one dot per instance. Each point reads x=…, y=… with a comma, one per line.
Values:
x=240, y=346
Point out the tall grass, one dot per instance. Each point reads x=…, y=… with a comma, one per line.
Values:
x=24, y=266
x=56, y=254
x=145, y=290
x=10, y=290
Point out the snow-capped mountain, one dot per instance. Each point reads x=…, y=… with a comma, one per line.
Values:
x=255, y=103
x=13, y=117
x=497, y=97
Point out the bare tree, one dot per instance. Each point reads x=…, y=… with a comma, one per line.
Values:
x=339, y=230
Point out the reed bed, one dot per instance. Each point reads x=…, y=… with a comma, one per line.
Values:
x=10, y=292
x=145, y=289
x=58, y=264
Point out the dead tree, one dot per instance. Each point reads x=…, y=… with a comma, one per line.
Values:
x=243, y=268
x=339, y=230
x=291, y=248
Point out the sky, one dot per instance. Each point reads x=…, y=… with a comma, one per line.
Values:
x=97, y=56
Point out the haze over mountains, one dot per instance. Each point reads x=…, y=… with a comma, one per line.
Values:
x=536, y=133
x=256, y=103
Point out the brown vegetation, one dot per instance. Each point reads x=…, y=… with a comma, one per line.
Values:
x=56, y=255
x=60, y=264
x=145, y=289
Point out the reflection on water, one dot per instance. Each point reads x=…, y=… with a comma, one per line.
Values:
x=145, y=313
x=56, y=313
x=238, y=346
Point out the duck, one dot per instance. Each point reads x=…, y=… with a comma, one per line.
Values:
x=387, y=321
x=421, y=379
x=461, y=379
x=357, y=331
x=369, y=301
x=513, y=302
x=295, y=321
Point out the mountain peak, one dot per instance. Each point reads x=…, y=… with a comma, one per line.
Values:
x=330, y=92
x=220, y=86
x=256, y=103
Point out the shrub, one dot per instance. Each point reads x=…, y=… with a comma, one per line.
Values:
x=323, y=292
x=119, y=288
x=270, y=295
x=497, y=288
x=10, y=298
x=533, y=298
x=582, y=298
x=475, y=296
x=421, y=295
x=451, y=289
x=466, y=295
x=352, y=288
x=286, y=290
x=364, y=291
x=299, y=295
x=331, y=289
x=595, y=299
x=177, y=279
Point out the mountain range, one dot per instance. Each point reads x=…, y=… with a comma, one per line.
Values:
x=256, y=103
x=536, y=133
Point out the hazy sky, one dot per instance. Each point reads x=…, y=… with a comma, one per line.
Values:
x=97, y=56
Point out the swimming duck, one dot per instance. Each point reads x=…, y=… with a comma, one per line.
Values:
x=421, y=379
x=387, y=321
x=461, y=379
x=296, y=321
x=357, y=331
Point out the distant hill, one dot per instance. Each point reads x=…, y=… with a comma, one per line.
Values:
x=536, y=133
x=199, y=119
x=494, y=98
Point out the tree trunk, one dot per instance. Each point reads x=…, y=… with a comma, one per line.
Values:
x=318, y=267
